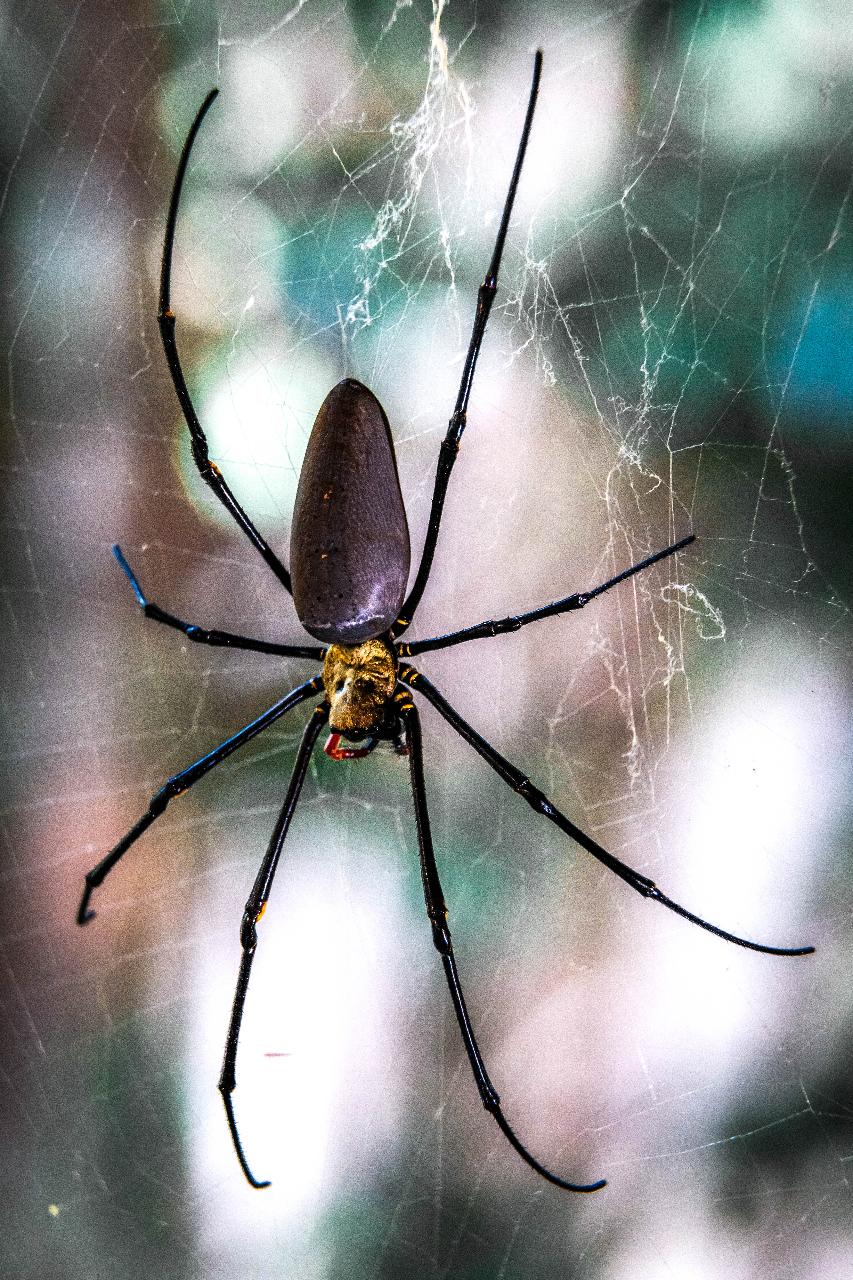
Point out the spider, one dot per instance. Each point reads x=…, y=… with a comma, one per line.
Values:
x=350, y=560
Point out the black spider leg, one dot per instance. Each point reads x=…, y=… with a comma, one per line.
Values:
x=202, y=635
x=182, y=782
x=208, y=470
x=437, y=912
x=541, y=804
x=450, y=444
x=252, y=913
x=496, y=627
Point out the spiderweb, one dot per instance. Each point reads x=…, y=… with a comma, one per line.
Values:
x=668, y=352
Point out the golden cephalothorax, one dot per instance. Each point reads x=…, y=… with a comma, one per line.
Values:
x=359, y=681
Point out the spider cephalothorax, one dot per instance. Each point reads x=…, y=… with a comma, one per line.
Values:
x=359, y=683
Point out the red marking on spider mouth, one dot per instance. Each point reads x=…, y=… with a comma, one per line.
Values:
x=335, y=751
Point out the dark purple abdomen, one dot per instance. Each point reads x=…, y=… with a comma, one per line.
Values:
x=349, y=543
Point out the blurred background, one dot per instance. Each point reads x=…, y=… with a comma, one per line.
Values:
x=670, y=351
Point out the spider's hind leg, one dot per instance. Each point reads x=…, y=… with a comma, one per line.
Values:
x=459, y=417
x=207, y=469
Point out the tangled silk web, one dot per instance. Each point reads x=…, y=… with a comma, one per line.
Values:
x=684, y=414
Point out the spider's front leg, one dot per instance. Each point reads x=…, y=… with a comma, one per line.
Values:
x=181, y=782
x=437, y=912
x=540, y=803
x=254, y=909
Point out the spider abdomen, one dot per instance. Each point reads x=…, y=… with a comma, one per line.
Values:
x=349, y=544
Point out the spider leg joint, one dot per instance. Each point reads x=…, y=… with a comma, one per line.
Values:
x=491, y=1099
x=534, y=797
x=441, y=937
x=248, y=932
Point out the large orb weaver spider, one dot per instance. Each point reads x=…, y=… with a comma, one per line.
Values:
x=349, y=554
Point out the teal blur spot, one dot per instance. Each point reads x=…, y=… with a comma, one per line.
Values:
x=812, y=359
x=323, y=277
x=702, y=320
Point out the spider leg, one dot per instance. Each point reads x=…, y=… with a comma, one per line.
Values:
x=201, y=635
x=208, y=470
x=252, y=913
x=496, y=627
x=437, y=912
x=485, y=298
x=541, y=804
x=182, y=782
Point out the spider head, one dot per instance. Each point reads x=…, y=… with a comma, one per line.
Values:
x=359, y=682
